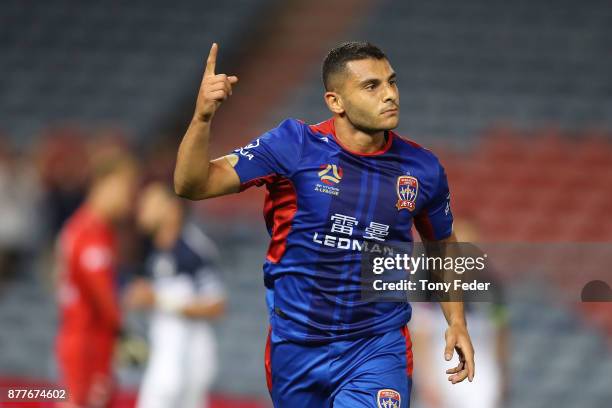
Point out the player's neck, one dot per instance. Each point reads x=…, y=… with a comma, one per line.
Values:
x=98, y=205
x=356, y=140
x=168, y=233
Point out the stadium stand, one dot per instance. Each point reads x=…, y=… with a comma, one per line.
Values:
x=125, y=63
x=465, y=65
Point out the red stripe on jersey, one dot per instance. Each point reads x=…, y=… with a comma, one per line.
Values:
x=279, y=209
x=258, y=182
x=326, y=128
x=424, y=226
x=268, y=362
x=409, y=357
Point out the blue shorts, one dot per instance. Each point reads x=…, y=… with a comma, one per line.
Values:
x=367, y=372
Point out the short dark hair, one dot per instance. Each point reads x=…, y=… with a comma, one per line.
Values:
x=336, y=59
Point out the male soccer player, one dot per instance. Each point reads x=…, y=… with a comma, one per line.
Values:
x=331, y=188
x=185, y=294
x=89, y=309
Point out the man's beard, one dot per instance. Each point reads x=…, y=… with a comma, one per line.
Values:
x=371, y=130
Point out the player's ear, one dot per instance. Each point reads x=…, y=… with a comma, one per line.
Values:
x=334, y=102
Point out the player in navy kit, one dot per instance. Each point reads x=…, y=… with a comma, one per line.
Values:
x=333, y=189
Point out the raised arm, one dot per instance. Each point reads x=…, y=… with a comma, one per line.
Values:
x=196, y=177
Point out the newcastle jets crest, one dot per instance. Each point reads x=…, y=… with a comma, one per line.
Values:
x=388, y=399
x=407, y=190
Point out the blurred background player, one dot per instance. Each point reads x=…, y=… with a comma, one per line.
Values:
x=185, y=294
x=87, y=259
x=489, y=330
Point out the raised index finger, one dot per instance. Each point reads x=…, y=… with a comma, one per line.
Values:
x=211, y=61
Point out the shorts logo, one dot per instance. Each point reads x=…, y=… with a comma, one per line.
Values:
x=330, y=174
x=407, y=190
x=388, y=399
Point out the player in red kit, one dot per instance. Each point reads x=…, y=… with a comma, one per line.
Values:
x=89, y=308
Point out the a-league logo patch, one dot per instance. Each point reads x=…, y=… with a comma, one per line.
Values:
x=330, y=174
x=407, y=190
x=388, y=399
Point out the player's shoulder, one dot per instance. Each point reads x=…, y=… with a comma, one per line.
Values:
x=198, y=242
x=299, y=132
x=84, y=227
x=408, y=146
x=194, y=249
x=322, y=128
x=290, y=126
x=300, y=126
x=290, y=132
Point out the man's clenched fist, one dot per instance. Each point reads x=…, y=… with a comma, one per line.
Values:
x=214, y=89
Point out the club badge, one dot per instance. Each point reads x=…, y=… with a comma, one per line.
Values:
x=407, y=190
x=388, y=399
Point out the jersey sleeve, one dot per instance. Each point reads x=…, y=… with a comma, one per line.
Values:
x=435, y=220
x=275, y=153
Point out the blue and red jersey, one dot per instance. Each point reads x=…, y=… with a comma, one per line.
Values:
x=323, y=204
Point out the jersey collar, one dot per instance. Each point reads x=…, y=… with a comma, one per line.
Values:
x=327, y=127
